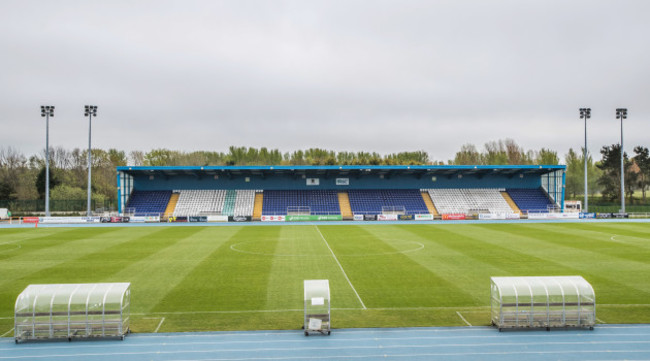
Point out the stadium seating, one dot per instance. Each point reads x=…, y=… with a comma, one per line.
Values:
x=146, y=203
x=320, y=202
x=466, y=200
x=374, y=201
x=530, y=200
x=245, y=202
x=196, y=202
x=229, y=203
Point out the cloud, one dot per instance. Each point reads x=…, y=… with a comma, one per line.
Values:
x=345, y=75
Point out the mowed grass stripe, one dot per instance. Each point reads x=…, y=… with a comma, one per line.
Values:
x=13, y=234
x=471, y=274
x=100, y=265
x=480, y=248
x=637, y=236
x=154, y=276
x=384, y=277
x=11, y=242
x=41, y=242
x=9, y=231
x=602, y=242
x=537, y=257
x=82, y=261
x=44, y=252
x=638, y=229
x=226, y=279
x=302, y=255
x=589, y=254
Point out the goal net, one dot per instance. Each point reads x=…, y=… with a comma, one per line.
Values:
x=298, y=210
x=399, y=210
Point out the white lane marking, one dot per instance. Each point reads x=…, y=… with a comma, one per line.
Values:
x=439, y=340
x=160, y=324
x=463, y=318
x=341, y=267
x=329, y=348
x=6, y=333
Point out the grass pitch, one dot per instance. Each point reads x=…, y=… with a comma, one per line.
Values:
x=251, y=277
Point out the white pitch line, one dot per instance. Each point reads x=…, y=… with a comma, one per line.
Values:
x=341, y=267
x=463, y=318
x=599, y=320
x=464, y=309
x=160, y=324
x=6, y=333
x=214, y=312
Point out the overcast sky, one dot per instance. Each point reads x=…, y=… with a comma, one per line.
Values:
x=382, y=76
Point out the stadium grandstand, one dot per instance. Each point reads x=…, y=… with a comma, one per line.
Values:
x=346, y=191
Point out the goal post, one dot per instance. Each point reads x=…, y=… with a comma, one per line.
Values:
x=399, y=210
x=298, y=210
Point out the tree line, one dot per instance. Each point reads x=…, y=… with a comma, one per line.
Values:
x=23, y=178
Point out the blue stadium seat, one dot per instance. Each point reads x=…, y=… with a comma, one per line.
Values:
x=149, y=202
x=372, y=201
x=320, y=202
x=529, y=200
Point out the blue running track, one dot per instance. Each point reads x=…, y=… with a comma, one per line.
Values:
x=606, y=342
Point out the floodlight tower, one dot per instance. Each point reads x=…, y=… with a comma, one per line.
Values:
x=90, y=111
x=47, y=111
x=621, y=113
x=585, y=113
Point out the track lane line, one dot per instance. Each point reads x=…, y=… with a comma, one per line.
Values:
x=287, y=348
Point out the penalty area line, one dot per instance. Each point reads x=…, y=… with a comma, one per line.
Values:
x=6, y=333
x=341, y=267
x=162, y=319
x=463, y=318
x=160, y=324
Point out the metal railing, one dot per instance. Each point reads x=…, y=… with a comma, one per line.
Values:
x=38, y=205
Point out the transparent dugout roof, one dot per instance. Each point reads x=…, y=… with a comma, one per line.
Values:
x=565, y=286
x=45, y=298
x=316, y=289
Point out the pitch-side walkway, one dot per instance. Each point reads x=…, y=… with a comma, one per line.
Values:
x=606, y=342
x=321, y=223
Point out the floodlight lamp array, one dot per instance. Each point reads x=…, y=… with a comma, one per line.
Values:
x=90, y=110
x=585, y=113
x=621, y=113
x=47, y=110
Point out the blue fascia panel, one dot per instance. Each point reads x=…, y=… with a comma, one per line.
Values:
x=344, y=167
